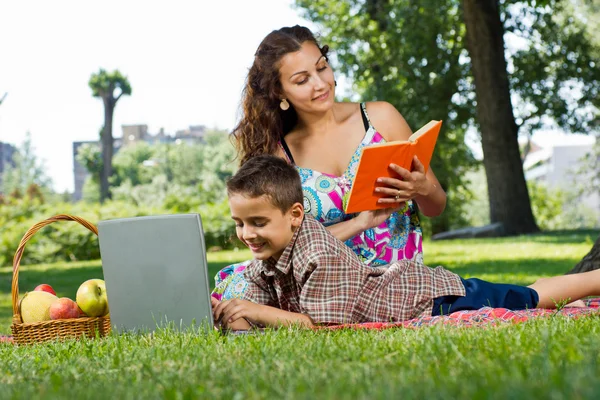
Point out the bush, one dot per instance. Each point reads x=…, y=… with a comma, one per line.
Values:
x=66, y=241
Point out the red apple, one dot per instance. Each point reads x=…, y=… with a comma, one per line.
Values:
x=64, y=308
x=44, y=287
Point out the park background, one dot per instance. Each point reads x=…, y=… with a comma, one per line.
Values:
x=516, y=83
x=518, y=96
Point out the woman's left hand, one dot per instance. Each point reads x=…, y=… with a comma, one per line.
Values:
x=407, y=186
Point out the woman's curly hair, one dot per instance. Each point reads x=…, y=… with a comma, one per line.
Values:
x=263, y=123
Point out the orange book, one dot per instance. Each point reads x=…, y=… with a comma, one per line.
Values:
x=375, y=160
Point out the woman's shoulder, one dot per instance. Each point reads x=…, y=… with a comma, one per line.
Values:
x=388, y=121
x=346, y=110
x=381, y=107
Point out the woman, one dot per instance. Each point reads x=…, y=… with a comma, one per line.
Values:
x=289, y=110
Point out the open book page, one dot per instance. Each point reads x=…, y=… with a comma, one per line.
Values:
x=427, y=128
x=424, y=142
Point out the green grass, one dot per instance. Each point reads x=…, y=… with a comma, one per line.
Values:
x=556, y=357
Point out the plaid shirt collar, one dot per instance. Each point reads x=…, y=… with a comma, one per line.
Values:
x=285, y=261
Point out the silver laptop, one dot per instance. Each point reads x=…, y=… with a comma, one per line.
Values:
x=155, y=271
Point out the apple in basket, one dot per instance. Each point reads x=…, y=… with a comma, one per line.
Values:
x=44, y=287
x=64, y=308
x=91, y=298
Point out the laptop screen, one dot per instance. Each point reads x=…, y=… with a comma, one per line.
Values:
x=155, y=271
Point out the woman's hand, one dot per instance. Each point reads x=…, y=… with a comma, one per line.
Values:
x=407, y=186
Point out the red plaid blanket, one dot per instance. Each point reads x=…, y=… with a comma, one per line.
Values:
x=485, y=316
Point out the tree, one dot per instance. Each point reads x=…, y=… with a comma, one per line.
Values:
x=27, y=175
x=499, y=131
x=421, y=54
x=109, y=86
x=590, y=262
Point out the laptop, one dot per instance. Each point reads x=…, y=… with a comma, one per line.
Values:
x=155, y=271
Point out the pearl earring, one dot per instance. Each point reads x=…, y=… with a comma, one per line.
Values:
x=284, y=105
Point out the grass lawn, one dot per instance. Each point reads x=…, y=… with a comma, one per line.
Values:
x=547, y=358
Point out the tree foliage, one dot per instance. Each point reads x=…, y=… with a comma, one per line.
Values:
x=90, y=157
x=556, y=72
x=104, y=84
x=28, y=174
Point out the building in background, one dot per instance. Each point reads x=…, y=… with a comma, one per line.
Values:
x=558, y=164
x=7, y=152
x=193, y=134
x=134, y=134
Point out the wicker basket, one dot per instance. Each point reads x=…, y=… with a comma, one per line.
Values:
x=36, y=332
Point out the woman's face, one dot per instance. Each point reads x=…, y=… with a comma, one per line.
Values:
x=307, y=79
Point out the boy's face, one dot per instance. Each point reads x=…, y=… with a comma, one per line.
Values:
x=263, y=227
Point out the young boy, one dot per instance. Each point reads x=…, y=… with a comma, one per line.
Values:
x=301, y=274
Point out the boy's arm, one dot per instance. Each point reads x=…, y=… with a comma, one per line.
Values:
x=256, y=307
x=236, y=313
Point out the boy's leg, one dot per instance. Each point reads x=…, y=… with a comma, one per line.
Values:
x=480, y=293
x=566, y=287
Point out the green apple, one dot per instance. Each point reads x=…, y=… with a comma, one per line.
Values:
x=91, y=298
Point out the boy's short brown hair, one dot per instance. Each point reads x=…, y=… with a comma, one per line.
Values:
x=270, y=176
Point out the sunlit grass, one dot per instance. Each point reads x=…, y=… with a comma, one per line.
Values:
x=554, y=357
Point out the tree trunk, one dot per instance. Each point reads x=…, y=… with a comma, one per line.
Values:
x=590, y=262
x=107, y=149
x=509, y=198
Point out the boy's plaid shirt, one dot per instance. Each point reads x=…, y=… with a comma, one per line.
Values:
x=320, y=276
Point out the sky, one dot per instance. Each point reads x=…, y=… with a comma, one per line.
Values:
x=186, y=62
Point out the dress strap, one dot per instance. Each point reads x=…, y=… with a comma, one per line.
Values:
x=286, y=151
x=365, y=116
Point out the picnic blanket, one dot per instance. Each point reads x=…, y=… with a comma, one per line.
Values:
x=485, y=316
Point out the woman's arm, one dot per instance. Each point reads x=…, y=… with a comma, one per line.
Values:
x=424, y=188
x=230, y=312
x=363, y=221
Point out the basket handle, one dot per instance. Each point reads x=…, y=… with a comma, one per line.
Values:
x=26, y=237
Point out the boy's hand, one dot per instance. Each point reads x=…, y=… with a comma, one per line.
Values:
x=240, y=324
x=236, y=314
x=229, y=311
